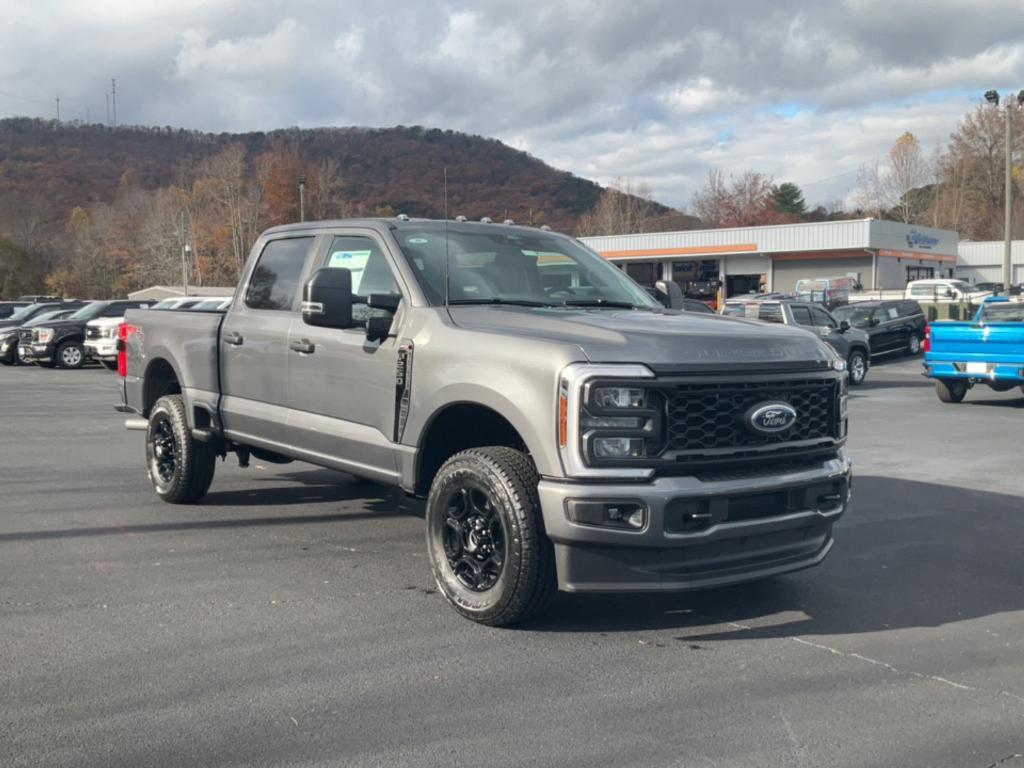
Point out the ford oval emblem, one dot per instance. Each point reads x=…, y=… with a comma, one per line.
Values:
x=770, y=417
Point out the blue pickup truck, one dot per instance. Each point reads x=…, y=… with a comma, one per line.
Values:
x=986, y=350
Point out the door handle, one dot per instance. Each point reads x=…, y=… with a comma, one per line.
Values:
x=304, y=347
x=234, y=338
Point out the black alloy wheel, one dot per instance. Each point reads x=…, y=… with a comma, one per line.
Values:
x=474, y=538
x=180, y=467
x=489, y=553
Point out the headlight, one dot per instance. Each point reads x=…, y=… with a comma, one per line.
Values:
x=110, y=333
x=607, y=428
x=43, y=335
x=619, y=397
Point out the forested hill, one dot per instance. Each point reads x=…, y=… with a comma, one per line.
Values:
x=54, y=167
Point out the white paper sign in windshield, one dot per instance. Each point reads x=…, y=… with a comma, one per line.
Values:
x=354, y=261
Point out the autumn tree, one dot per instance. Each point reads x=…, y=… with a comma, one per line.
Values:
x=889, y=189
x=969, y=193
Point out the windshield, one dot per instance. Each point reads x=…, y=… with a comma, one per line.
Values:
x=26, y=312
x=858, y=317
x=514, y=266
x=89, y=311
x=1002, y=313
x=55, y=315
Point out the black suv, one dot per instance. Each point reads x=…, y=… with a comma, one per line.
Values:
x=61, y=343
x=892, y=326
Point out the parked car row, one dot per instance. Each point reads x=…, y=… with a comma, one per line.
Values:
x=55, y=333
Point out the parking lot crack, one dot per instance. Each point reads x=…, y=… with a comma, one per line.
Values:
x=897, y=670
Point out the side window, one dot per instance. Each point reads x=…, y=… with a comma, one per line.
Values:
x=770, y=313
x=822, y=318
x=275, y=280
x=114, y=310
x=879, y=316
x=910, y=308
x=801, y=315
x=370, y=270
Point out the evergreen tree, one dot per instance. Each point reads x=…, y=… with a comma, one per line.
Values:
x=788, y=198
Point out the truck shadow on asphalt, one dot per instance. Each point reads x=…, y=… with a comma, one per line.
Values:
x=908, y=554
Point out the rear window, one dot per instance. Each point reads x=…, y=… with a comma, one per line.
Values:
x=734, y=310
x=1002, y=313
x=770, y=313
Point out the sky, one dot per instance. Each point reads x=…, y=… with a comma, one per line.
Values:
x=656, y=91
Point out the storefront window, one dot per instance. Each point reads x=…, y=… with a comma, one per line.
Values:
x=698, y=279
x=646, y=272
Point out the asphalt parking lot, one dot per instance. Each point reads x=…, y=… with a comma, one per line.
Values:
x=290, y=618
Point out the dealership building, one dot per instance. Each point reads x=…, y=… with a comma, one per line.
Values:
x=879, y=254
x=981, y=261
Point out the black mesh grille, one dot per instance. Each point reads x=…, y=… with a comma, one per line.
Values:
x=708, y=416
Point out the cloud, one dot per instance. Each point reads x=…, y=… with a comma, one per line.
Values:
x=656, y=90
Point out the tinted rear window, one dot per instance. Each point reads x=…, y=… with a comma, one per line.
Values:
x=770, y=313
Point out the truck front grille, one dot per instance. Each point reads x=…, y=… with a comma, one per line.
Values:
x=708, y=416
x=25, y=337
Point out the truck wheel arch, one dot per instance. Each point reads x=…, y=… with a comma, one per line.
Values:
x=160, y=379
x=456, y=427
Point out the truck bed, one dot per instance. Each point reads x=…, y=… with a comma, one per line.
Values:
x=188, y=338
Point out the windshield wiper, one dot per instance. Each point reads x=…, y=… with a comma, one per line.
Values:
x=601, y=303
x=499, y=300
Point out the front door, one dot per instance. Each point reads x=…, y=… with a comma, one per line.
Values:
x=341, y=385
x=254, y=344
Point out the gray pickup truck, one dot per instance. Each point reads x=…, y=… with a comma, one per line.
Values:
x=566, y=430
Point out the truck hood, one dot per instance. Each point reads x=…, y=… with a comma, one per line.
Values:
x=660, y=339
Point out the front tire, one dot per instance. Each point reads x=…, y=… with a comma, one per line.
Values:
x=488, y=550
x=951, y=390
x=70, y=354
x=180, y=468
x=857, y=365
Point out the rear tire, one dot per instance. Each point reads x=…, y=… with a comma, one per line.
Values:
x=488, y=550
x=950, y=390
x=914, y=345
x=857, y=365
x=180, y=468
x=70, y=354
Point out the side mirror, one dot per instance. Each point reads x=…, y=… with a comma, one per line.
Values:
x=669, y=293
x=844, y=326
x=387, y=301
x=327, y=299
x=873, y=322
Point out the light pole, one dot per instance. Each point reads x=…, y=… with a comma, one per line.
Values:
x=302, y=197
x=185, y=250
x=992, y=97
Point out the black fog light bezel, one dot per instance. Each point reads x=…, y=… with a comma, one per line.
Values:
x=595, y=513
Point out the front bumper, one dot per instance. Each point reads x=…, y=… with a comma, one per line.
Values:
x=105, y=349
x=38, y=353
x=751, y=526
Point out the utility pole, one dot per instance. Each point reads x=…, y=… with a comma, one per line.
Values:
x=58, y=108
x=108, y=107
x=184, y=256
x=113, y=98
x=1007, y=235
x=302, y=197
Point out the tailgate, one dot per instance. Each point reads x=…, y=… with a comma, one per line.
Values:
x=991, y=342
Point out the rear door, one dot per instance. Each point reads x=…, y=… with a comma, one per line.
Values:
x=254, y=343
x=890, y=332
x=828, y=329
x=342, y=392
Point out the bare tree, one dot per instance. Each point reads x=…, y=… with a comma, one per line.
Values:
x=894, y=188
x=744, y=201
x=624, y=208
